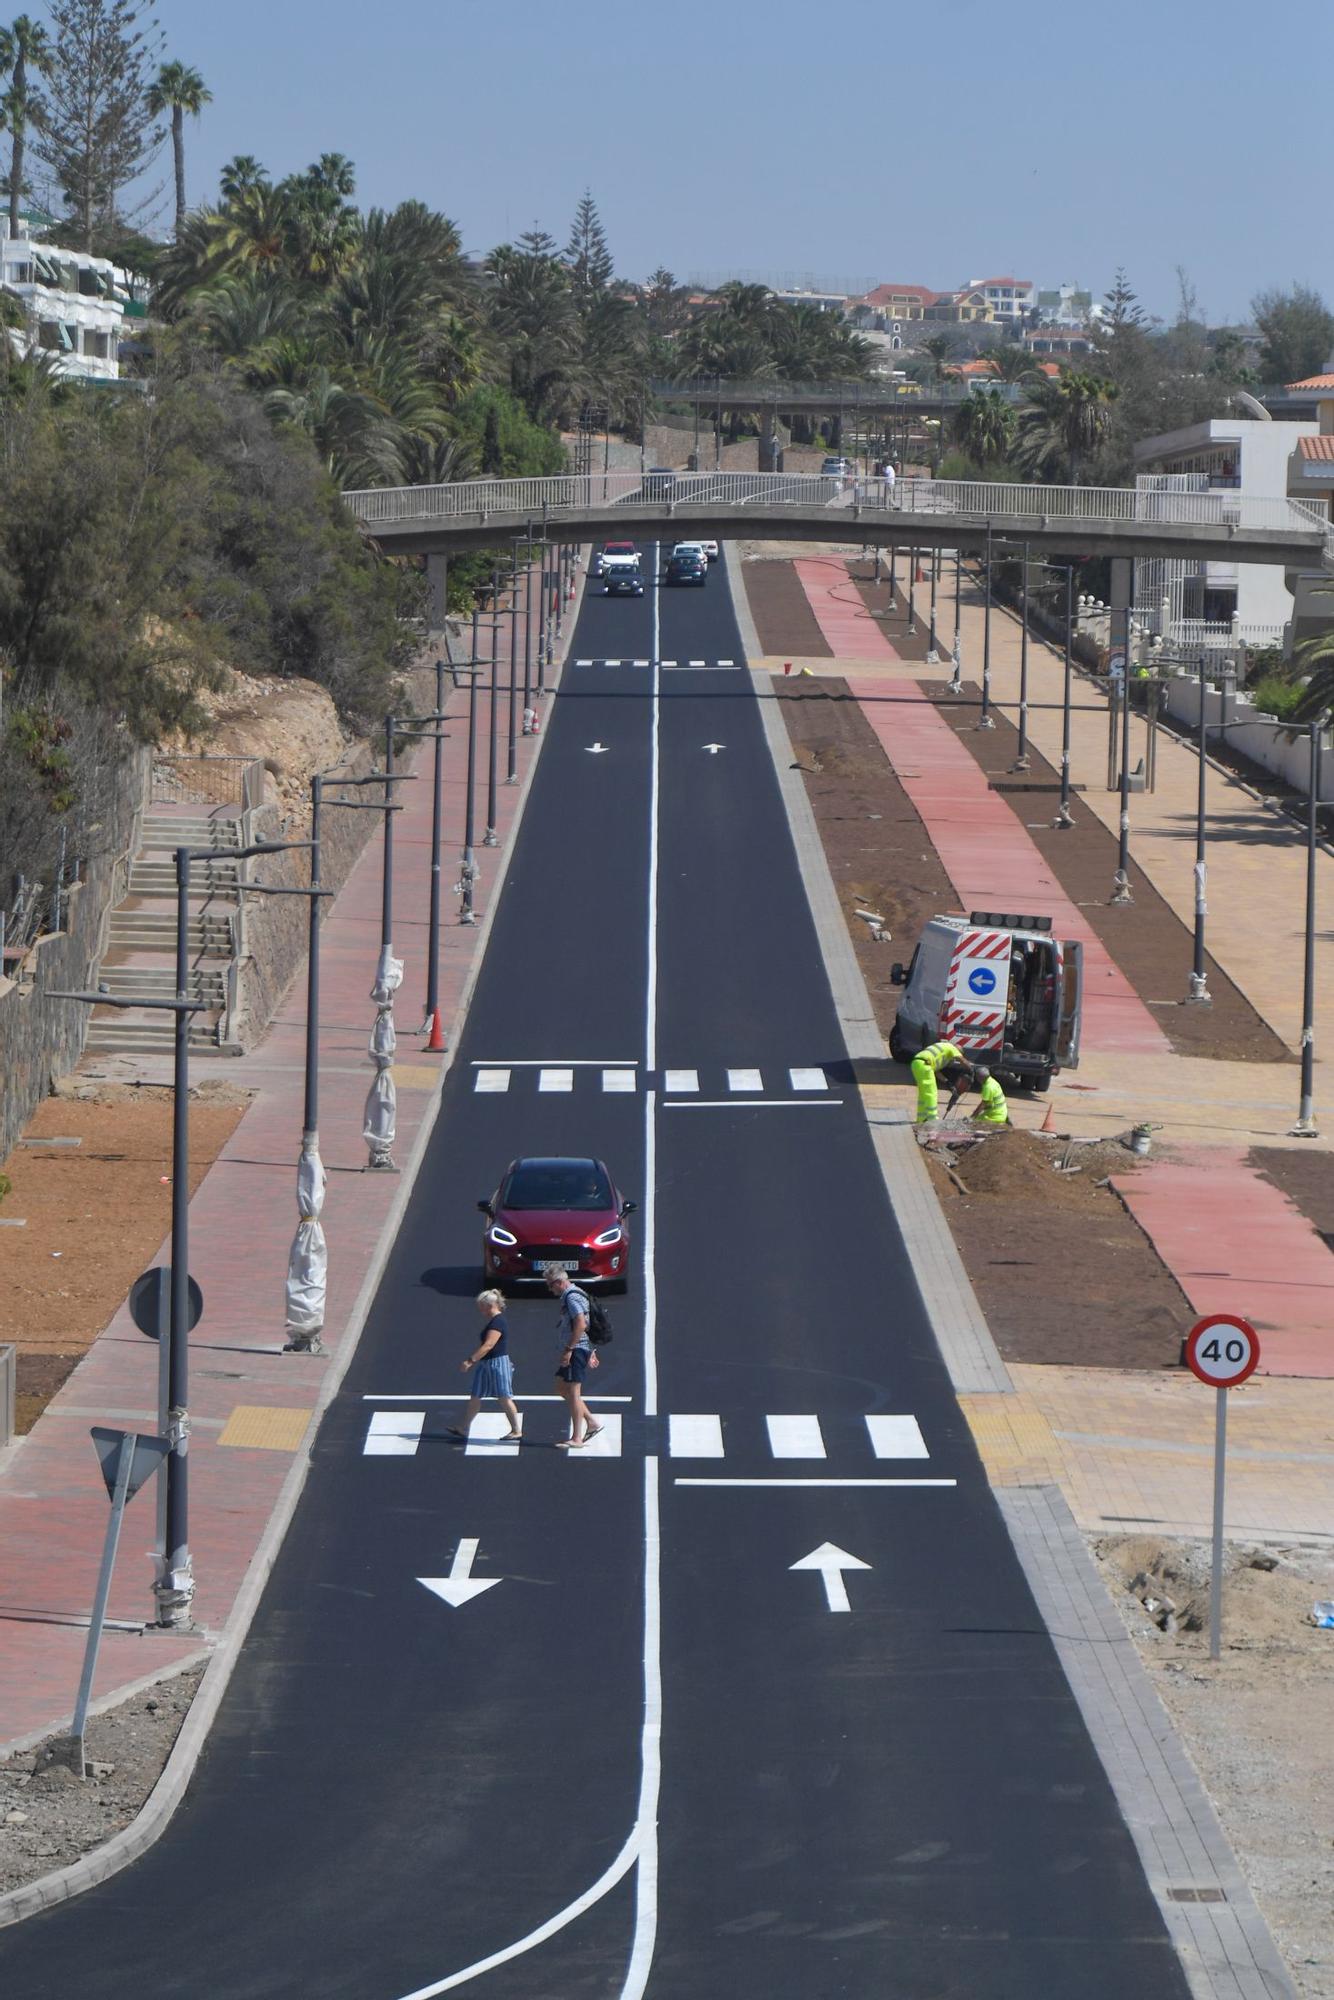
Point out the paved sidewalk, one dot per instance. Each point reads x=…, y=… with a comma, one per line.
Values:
x=251, y=1405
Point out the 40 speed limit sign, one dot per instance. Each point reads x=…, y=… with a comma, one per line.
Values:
x=1222, y=1350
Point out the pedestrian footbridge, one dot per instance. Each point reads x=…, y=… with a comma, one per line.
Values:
x=968, y=514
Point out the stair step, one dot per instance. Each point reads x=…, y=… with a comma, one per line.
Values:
x=217, y=834
x=146, y=1042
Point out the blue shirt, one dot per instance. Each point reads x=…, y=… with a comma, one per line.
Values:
x=572, y=1303
x=502, y=1345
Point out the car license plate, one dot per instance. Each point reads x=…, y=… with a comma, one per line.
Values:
x=561, y=1263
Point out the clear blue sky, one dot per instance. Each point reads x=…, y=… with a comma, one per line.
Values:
x=849, y=138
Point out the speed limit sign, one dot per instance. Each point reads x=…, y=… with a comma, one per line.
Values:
x=1222, y=1350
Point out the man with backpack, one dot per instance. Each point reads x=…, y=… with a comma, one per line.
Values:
x=581, y=1323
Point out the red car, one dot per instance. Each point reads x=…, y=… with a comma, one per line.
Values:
x=614, y=555
x=556, y=1211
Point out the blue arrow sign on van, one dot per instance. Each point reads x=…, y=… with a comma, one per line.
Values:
x=982, y=980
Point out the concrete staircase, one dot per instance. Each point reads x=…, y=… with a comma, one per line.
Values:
x=139, y=962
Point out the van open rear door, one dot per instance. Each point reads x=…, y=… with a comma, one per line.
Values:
x=1069, y=1004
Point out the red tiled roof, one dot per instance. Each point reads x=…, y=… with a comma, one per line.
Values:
x=1024, y=284
x=1313, y=382
x=1316, y=447
x=882, y=294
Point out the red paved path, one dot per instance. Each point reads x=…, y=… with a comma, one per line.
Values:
x=848, y=627
x=53, y=1505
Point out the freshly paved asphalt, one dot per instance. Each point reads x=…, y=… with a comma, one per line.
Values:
x=897, y=1801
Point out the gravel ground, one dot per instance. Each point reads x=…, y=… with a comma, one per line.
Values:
x=48, y=1818
x=1256, y=1722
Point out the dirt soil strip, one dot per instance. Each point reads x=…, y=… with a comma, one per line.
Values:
x=1020, y=1221
x=782, y=612
x=891, y=610
x=1306, y=1178
x=95, y=1214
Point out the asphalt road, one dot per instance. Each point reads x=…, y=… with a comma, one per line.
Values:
x=654, y=1758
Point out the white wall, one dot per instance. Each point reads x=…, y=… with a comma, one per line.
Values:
x=1273, y=749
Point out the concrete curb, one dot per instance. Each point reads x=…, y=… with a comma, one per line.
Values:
x=1226, y=1949
x=151, y=1821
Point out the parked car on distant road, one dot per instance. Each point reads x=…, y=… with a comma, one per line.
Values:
x=835, y=468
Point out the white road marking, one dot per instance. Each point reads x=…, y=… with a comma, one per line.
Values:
x=713, y=748
x=831, y=1561
x=808, y=1079
x=639, y=663
x=611, y=663
x=569, y=1062
x=394, y=1434
x=598, y=749
x=667, y=663
x=583, y=663
x=555, y=1079
x=461, y=1586
x=695, y=663
x=722, y=1480
x=750, y=1103
x=489, y=1436
x=608, y=1445
x=492, y=1079
x=795, y=1437
x=680, y=1079
x=695, y=1437
x=461, y=1396
x=619, y=1079
x=897, y=1437
x=744, y=1079
x=725, y=663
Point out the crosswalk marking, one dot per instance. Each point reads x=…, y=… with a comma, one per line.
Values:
x=608, y=1444
x=695, y=1437
x=639, y=663
x=394, y=1434
x=618, y=1079
x=795, y=1437
x=680, y=1079
x=694, y=663
x=678, y=666
x=488, y=1436
x=808, y=1079
x=492, y=1080
x=744, y=1079
x=897, y=1437
x=555, y=1079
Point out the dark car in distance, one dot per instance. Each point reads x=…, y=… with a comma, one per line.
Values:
x=624, y=582
x=684, y=566
x=556, y=1209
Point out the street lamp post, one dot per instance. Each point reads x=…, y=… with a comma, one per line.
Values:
x=1021, y=762
x=956, y=655
x=932, y=650
x=1064, y=817
x=986, y=720
x=490, y=838
x=1121, y=880
x=512, y=748
x=912, y=599
x=1306, y=1128
x=1199, y=994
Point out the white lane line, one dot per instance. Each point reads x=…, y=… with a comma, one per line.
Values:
x=680, y=1079
x=695, y=1437
x=667, y=663
x=897, y=1437
x=568, y=1062
x=795, y=1437
x=619, y=1079
x=583, y=663
x=808, y=1079
x=492, y=1079
x=639, y=663
x=607, y=1444
x=488, y=1437
x=461, y=1396
x=726, y=663
x=611, y=663
x=722, y=1480
x=744, y=1079
x=394, y=1434
x=695, y=663
x=763, y=1105
x=555, y=1079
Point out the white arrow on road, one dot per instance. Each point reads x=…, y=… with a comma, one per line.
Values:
x=461, y=1585
x=831, y=1561
x=595, y=749
x=714, y=748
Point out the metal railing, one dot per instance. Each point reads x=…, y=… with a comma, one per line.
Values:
x=8, y=1390
x=479, y=500
x=757, y=393
x=179, y=779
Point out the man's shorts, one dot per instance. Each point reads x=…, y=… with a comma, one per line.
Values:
x=577, y=1367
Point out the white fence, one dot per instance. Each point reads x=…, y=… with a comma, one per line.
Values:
x=1270, y=744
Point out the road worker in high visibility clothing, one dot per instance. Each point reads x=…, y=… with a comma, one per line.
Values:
x=993, y=1109
x=926, y=1069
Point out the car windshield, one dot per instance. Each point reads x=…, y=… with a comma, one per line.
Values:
x=557, y=1184
x=619, y=549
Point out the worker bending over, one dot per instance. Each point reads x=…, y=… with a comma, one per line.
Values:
x=993, y=1109
x=926, y=1069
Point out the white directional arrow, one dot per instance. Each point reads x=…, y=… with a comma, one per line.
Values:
x=596, y=749
x=714, y=748
x=461, y=1585
x=831, y=1561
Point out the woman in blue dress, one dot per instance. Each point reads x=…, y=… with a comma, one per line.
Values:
x=492, y=1369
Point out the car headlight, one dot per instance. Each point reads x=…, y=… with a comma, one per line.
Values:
x=607, y=1236
x=500, y=1237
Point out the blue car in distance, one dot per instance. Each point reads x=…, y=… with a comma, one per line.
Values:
x=687, y=566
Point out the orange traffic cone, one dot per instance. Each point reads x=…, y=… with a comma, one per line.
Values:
x=436, y=1042
x=1049, y=1122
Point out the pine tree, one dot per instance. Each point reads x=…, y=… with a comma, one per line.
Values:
x=98, y=132
x=586, y=254
x=536, y=242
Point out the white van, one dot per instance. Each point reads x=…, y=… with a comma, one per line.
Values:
x=1001, y=988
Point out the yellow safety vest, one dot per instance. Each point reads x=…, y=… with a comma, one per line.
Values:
x=941, y=1053
x=992, y=1109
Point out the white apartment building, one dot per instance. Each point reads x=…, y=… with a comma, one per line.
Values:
x=1209, y=602
x=1009, y=300
x=1068, y=306
x=74, y=305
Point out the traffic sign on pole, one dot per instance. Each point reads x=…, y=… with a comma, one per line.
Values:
x=1222, y=1351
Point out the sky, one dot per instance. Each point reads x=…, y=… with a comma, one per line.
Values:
x=851, y=140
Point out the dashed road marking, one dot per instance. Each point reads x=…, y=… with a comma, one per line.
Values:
x=695, y=1437
x=897, y=1437
x=555, y=1079
x=680, y=1079
x=795, y=1437
x=744, y=1079
x=394, y=1434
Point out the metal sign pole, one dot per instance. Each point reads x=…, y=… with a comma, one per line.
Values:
x=119, y=1495
x=1216, y=1578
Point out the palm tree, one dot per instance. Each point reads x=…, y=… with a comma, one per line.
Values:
x=938, y=349
x=1011, y=363
x=984, y=426
x=1065, y=421
x=1315, y=657
x=24, y=47
x=241, y=174
x=178, y=89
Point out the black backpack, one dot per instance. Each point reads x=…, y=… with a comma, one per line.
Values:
x=599, y=1322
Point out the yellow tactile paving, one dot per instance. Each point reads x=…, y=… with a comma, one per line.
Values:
x=1014, y=1438
x=257, y=1427
x=413, y=1076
